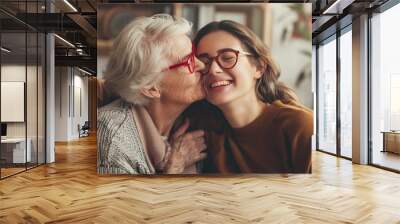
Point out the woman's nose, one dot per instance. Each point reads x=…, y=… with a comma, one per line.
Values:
x=214, y=68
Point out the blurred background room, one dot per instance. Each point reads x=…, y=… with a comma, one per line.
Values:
x=284, y=27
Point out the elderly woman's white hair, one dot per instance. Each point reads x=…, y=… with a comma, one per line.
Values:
x=140, y=52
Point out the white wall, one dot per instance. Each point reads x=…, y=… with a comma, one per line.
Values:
x=16, y=73
x=79, y=117
x=70, y=84
x=62, y=81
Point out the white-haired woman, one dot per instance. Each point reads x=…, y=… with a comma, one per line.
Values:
x=154, y=71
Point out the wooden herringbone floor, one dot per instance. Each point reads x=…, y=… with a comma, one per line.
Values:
x=70, y=191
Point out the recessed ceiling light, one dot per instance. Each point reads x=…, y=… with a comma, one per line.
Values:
x=84, y=71
x=64, y=40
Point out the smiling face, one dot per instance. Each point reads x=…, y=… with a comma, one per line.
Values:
x=179, y=85
x=225, y=85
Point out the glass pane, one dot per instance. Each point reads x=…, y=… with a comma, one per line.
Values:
x=31, y=101
x=22, y=79
x=31, y=86
x=327, y=97
x=385, y=86
x=13, y=86
x=346, y=94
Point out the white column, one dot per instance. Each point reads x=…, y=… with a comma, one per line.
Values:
x=50, y=99
x=50, y=92
x=360, y=90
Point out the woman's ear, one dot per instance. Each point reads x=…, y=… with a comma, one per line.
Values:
x=260, y=69
x=259, y=72
x=151, y=92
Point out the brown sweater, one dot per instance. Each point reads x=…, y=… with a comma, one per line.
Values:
x=278, y=141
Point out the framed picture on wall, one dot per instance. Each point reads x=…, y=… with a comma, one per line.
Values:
x=152, y=65
x=12, y=100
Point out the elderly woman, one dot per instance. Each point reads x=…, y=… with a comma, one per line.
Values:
x=154, y=71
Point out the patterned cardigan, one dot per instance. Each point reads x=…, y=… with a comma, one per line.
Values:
x=119, y=147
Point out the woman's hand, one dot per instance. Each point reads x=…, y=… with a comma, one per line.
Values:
x=186, y=149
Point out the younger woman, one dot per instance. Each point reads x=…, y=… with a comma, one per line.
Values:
x=258, y=125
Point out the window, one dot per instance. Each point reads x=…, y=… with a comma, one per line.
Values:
x=385, y=88
x=327, y=96
x=346, y=93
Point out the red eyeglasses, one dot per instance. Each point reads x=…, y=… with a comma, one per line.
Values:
x=188, y=61
x=226, y=58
